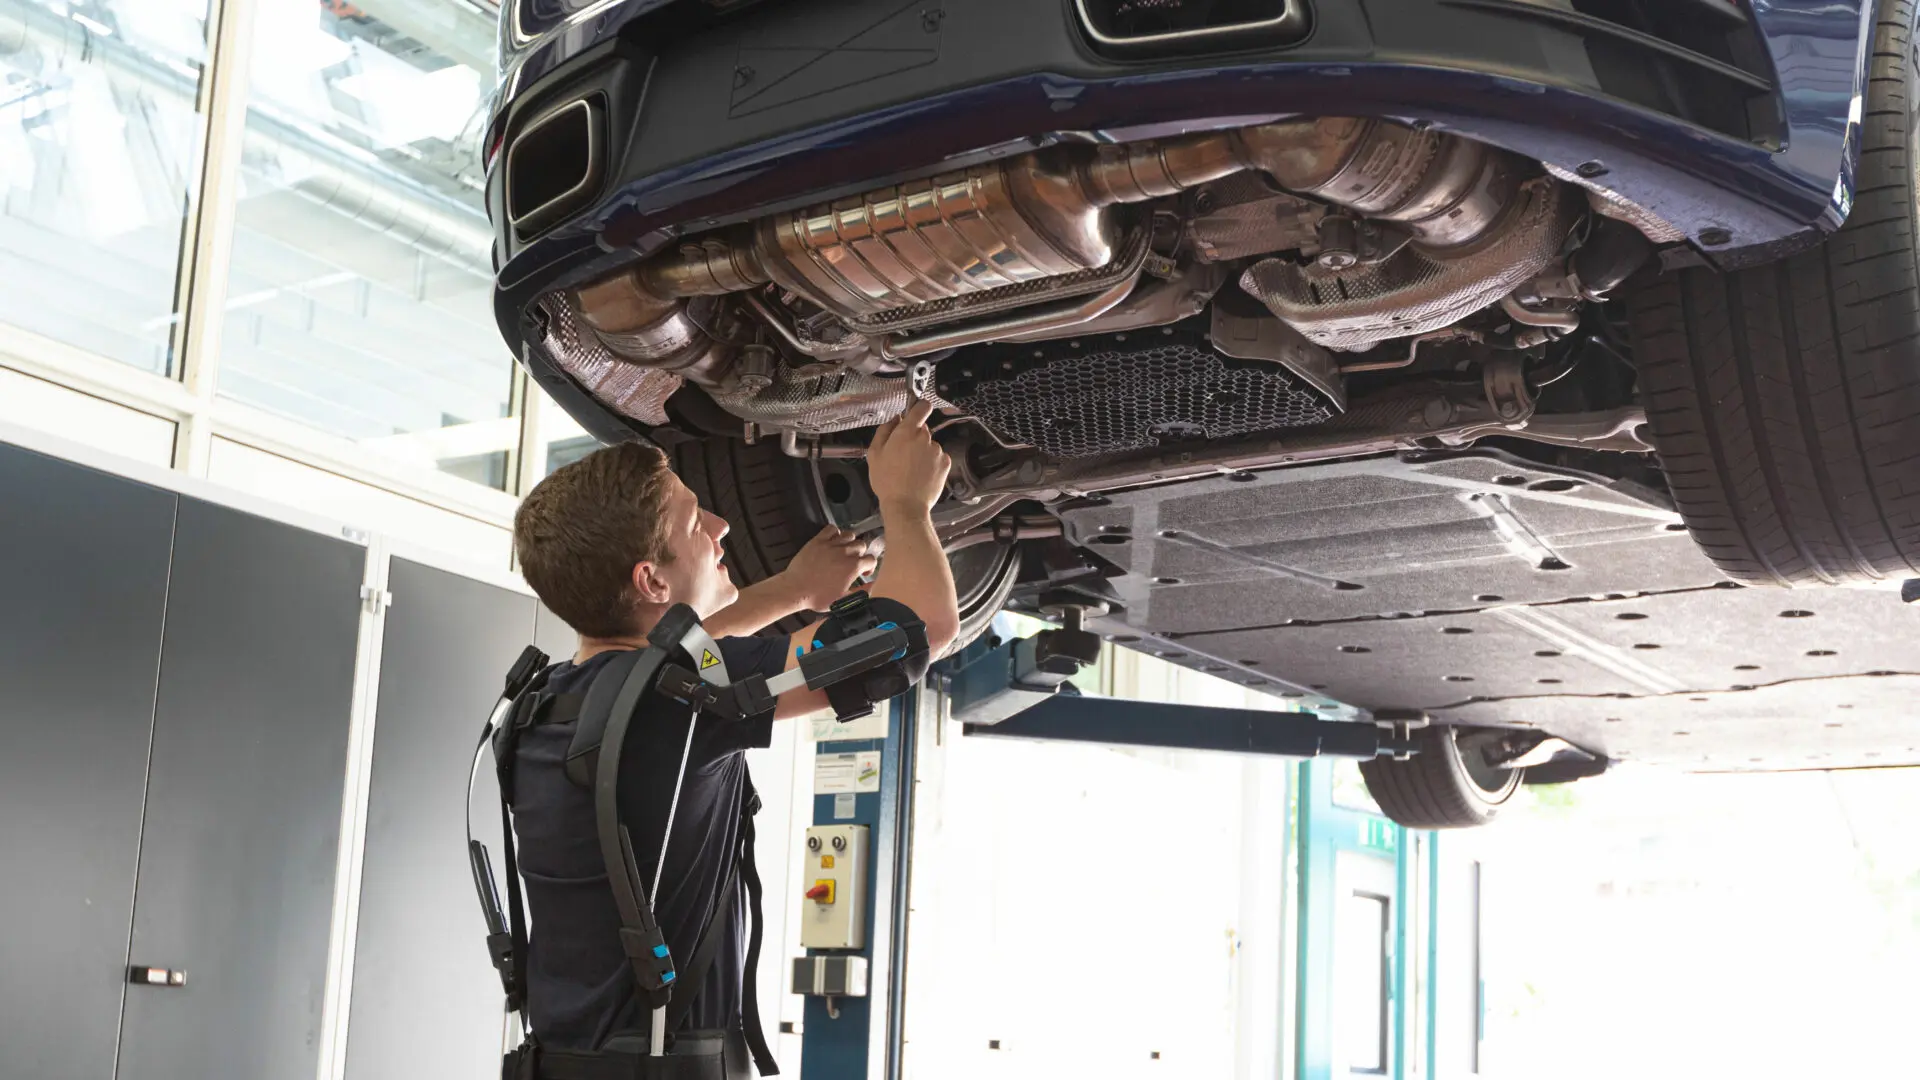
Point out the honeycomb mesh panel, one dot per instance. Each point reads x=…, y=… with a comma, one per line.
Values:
x=1123, y=392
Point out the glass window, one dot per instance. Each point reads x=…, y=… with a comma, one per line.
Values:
x=349, y=501
x=567, y=442
x=1349, y=788
x=1360, y=976
x=1144, y=860
x=99, y=149
x=359, y=299
x=1731, y=924
x=130, y=433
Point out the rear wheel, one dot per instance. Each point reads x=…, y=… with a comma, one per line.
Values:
x=774, y=505
x=1785, y=399
x=1448, y=783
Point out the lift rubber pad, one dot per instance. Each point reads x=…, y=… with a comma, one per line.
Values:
x=1485, y=589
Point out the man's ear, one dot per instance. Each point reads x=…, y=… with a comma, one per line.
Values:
x=648, y=585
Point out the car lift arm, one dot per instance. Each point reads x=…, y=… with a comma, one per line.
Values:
x=1019, y=689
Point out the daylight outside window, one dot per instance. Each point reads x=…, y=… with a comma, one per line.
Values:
x=100, y=150
x=359, y=292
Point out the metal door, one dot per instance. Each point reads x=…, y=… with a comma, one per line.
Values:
x=1352, y=929
x=426, y=1001
x=83, y=584
x=236, y=876
x=1365, y=908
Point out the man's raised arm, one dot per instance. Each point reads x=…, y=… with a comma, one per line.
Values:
x=823, y=571
x=907, y=471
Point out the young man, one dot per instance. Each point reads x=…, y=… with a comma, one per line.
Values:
x=609, y=543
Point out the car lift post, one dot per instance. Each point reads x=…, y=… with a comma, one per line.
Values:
x=859, y=1036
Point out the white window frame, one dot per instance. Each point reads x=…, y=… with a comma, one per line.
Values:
x=189, y=397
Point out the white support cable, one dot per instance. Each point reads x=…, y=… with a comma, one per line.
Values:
x=701, y=646
x=657, y=1041
x=696, y=639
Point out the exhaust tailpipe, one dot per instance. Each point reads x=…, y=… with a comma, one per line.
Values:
x=555, y=166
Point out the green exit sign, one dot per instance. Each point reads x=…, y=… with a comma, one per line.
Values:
x=1377, y=834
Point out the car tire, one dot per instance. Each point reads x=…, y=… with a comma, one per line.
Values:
x=772, y=509
x=1445, y=784
x=1785, y=399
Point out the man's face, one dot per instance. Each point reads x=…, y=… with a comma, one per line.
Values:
x=695, y=575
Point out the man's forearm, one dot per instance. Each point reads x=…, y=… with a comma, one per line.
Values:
x=915, y=572
x=758, y=607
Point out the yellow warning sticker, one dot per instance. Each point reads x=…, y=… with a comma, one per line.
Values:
x=707, y=659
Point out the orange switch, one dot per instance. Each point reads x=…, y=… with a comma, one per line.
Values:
x=822, y=891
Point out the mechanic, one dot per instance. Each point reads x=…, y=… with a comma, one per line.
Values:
x=610, y=543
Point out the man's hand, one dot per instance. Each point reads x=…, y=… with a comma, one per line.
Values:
x=906, y=468
x=907, y=471
x=827, y=568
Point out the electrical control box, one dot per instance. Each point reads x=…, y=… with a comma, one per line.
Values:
x=833, y=887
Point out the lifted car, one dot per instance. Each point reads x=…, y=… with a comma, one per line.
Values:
x=1484, y=360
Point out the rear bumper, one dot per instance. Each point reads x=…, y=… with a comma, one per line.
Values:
x=792, y=102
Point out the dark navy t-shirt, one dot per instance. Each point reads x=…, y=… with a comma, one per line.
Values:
x=580, y=988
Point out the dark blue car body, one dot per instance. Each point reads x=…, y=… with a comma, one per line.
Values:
x=718, y=117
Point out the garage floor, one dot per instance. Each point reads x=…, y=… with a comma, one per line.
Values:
x=1490, y=590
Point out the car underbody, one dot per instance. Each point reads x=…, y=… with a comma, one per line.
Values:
x=1487, y=416
x=1103, y=317
x=1126, y=340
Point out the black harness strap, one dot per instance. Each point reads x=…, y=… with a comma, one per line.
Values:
x=597, y=750
x=516, y=913
x=750, y=984
x=507, y=944
x=740, y=871
x=704, y=954
x=531, y=708
x=704, y=1059
x=577, y=708
x=583, y=1065
x=640, y=936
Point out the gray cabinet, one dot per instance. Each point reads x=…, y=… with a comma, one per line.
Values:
x=553, y=637
x=176, y=698
x=426, y=1002
x=83, y=589
x=242, y=827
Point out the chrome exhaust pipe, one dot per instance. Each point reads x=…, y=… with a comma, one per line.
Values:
x=555, y=165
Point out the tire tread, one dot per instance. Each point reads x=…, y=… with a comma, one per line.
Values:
x=1429, y=789
x=1785, y=398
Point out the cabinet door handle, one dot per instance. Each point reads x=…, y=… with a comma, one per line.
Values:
x=153, y=976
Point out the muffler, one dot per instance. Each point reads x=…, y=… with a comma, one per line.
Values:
x=1049, y=224
x=969, y=256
